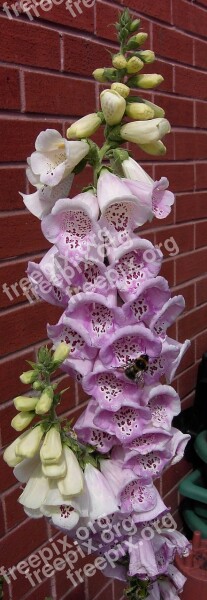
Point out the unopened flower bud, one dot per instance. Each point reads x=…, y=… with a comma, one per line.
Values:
x=145, y=132
x=155, y=148
x=146, y=81
x=139, y=110
x=28, y=445
x=137, y=40
x=121, y=88
x=55, y=470
x=37, y=385
x=51, y=449
x=25, y=403
x=134, y=25
x=119, y=61
x=134, y=65
x=98, y=75
x=44, y=403
x=147, y=56
x=22, y=420
x=113, y=106
x=72, y=483
x=10, y=456
x=61, y=353
x=28, y=376
x=158, y=111
x=84, y=127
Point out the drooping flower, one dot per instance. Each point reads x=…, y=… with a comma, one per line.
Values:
x=155, y=193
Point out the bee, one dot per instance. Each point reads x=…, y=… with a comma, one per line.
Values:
x=135, y=369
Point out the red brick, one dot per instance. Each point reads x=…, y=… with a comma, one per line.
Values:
x=200, y=53
x=201, y=176
x=201, y=291
x=179, y=111
x=24, y=235
x=2, y=525
x=191, y=266
x=173, y=474
x=188, y=401
x=16, y=364
x=188, y=292
x=188, y=359
x=78, y=20
x=201, y=234
x=7, y=477
x=201, y=344
x=190, y=82
x=167, y=271
x=192, y=323
x=172, y=44
x=32, y=536
x=85, y=56
x=166, y=70
x=190, y=145
x=159, y=10
x=29, y=44
x=58, y=95
x=183, y=237
x=171, y=500
x=180, y=175
x=9, y=89
x=14, y=513
x=10, y=273
x=191, y=206
x=201, y=114
x=106, y=16
x=187, y=381
x=189, y=17
x=12, y=181
x=26, y=325
x=17, y=136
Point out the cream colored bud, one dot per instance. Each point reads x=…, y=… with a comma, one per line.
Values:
x=158, y=111
x=72, y=483
x=22, y=420
x=51, y=449
x=25, y=403
x=139, y=110
x=134, y=65
x=61, y=353
x=84, y=127
x=137, y=40
x=119, y=61
x=121, y=88
x=155, y=148
x=98, y=75
x=113, y=106
x=56, y=470
x=145, y=132
x=45, y=401
x=28, y=445
x=28, y=377
x=146, y=81
x=148, y=56
x=10, y=456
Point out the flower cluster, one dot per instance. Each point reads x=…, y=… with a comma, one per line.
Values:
x=111, y=336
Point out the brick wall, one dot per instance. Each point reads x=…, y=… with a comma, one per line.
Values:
x=45, y=76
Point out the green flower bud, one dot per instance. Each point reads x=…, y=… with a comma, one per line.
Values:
x=139, y=110
x=28, y=445
x=134, y=25
x=155, y=148
x=158, y=111
x=146, y=81
x=98, y=75
x=28, y=376
x=25, y=403
x=22, y=420
x=84, y=127
x=119, y=61
x=51, y=449
x=137, y=40
x=147, y=56
x=134, y=65
x=37, y=385
x=45, y=401
x=61, y=353
x=122, y=89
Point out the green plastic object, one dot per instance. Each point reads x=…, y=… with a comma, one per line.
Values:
x=192, y=487
x=192, y=520
x=200, y=445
